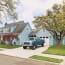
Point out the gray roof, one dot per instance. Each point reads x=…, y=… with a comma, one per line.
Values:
x=19, y=26
x=33, y=32
x=13, y=24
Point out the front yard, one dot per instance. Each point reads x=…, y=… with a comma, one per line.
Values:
x=9, y=46
x=47, y=59
x=56, y=50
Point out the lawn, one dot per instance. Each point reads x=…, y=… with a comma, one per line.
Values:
x=47, y=59
x=9, y=46
x=56, y=50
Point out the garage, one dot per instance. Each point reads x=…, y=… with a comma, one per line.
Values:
x=45, y=35
x=46, y=40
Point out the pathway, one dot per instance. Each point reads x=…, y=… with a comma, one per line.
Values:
x=22, y=53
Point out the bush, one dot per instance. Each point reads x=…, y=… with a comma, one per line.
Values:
x=3, y=42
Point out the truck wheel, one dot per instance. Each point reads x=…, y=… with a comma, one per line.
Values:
x=42, y=45
x=30, y=47
x=33, y=47
x=24, y=47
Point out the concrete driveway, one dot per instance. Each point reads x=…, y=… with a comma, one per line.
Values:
x=26, y=53
x=23, y=53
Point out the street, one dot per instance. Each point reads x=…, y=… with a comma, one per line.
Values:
x=9, y=60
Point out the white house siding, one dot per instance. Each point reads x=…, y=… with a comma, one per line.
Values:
x=63, y=41
x=45, y=33
x=51, y=40
x=24, y=35
x=15, y=42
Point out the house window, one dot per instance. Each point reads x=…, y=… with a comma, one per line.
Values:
x=32, y=38
x=9, y=29
x=46, y=37
x=43, y=37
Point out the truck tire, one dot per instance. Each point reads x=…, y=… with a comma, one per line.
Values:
x=33, y=47
x=24, y=47
x=30, y=47
x=42, y=45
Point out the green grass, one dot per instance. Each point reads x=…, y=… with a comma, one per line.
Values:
x=46, y=59
x=56, y=50
x=9, y=46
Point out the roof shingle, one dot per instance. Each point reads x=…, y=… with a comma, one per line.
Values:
x=19, y=26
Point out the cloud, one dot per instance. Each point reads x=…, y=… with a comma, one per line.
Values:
x=30, y=8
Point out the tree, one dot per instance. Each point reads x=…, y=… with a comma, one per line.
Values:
x=53, y=21
x=7, y=9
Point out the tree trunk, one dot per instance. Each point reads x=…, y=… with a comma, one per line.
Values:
x=59, y=42
x=59, y=39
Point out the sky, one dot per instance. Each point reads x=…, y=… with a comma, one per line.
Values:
x=28, y=9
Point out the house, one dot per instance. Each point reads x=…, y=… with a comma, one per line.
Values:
x=43, y=34
x=16, y=33
x=63, y=41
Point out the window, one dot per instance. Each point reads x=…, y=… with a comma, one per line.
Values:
x=32, y=38
x=43, y=37
x=46, y=37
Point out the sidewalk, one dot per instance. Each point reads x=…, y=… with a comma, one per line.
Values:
x=54, y=56
x=22, y=53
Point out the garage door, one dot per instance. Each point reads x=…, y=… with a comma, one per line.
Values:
x=46, y=40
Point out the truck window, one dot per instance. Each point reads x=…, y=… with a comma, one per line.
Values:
x=32, y=38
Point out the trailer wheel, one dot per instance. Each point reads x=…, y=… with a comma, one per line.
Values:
x=42, y=45
x=24, y=47
x=30, y=47
x=33, y=47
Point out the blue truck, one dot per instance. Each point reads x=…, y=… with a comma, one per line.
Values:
x=33, y=44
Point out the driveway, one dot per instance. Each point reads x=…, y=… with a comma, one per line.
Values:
x=23, y=53
x=9, y=60
x=26, y=53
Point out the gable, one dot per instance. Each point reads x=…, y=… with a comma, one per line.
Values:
x=43, y=33
x=24, y=35
x=20, y=28
x=26, y=30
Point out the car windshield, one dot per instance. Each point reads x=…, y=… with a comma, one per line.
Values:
x=31, y=38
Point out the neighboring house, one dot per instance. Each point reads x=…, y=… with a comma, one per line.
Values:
x=63, y=40
x=16, y=33
x=44, y=34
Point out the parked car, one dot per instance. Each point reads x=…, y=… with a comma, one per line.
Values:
x=33, y=43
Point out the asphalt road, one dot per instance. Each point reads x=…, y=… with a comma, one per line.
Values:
x=9, y=60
